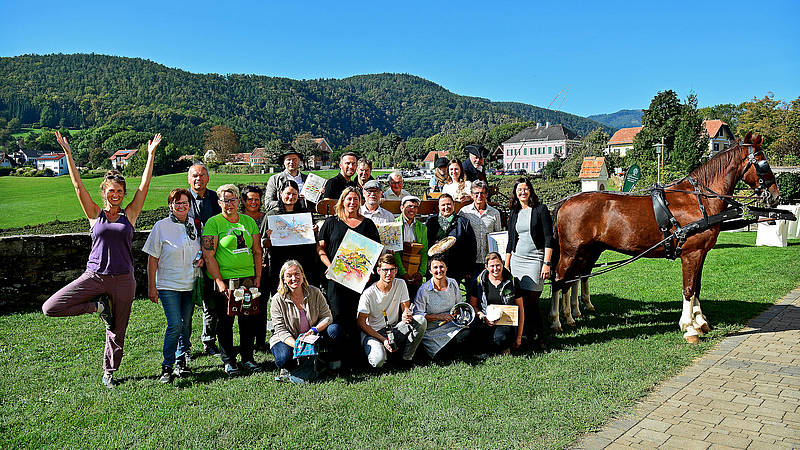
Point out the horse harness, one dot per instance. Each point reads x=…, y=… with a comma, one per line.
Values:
x=674, y=240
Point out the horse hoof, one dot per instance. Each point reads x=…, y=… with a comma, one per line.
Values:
x=705, y=328
x=694, y=339
x=556, y=329
x=590, y=308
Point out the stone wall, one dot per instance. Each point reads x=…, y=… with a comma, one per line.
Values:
x=32, y=268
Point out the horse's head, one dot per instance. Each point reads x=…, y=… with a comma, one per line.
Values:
x=756, y=171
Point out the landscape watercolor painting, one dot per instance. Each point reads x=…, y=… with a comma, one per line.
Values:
x=354, y=261
x=391, y=235
x=291, y=229
x=313, y=187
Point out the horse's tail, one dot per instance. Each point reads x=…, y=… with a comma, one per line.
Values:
x=556, y=247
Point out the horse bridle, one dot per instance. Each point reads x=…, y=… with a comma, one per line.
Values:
x=762, y=169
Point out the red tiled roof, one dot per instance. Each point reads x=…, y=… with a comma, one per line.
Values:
x=624, y=136
x=432, y=155
x=51, y=157
x=125, y=154
x=240, y=157
x=324, y=147
x=592, y=167
x=713, y=126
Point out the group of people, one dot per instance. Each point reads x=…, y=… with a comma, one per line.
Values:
x=214, y=244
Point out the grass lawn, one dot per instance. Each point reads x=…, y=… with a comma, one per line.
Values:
x=51, y=394
x=30, y=201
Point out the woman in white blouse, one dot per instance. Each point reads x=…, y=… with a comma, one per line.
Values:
x=172, y=267
x=457, y=185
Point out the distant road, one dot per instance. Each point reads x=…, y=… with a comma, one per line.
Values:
x=786, y=169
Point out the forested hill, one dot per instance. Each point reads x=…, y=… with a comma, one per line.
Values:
x=86, y=90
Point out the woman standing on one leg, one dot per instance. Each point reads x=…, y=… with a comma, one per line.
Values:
x=529, y=253
x=109, y=270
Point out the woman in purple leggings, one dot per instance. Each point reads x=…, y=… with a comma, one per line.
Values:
x=107, y=287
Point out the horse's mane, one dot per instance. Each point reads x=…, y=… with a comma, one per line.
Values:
x=717, y=165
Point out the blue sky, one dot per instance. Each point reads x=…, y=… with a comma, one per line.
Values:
x=610, y=55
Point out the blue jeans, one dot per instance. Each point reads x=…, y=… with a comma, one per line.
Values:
x=283, y=353
x=178, y=307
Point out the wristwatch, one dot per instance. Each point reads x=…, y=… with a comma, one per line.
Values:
x=547, y=263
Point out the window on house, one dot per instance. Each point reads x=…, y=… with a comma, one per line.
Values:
x=525, y=151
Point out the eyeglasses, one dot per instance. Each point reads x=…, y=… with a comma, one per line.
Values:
x=395, y=182
x=387, y=271
x=479, y=193
x=229, y=201
x=181, y=204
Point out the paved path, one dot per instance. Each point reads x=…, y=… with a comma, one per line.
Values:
x=743, y=394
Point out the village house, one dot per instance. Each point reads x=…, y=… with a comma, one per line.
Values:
x=532, y=148
x=57, y=162
x=719, y=134
x=27, y=156
x=594, y=174
x=432, y=156
x=622, y=141
x=120, y=158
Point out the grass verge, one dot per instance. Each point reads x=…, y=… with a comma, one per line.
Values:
x=51, y=394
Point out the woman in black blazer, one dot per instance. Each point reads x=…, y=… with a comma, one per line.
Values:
x=529, y=252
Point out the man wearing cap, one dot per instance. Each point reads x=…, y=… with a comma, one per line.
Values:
x=396, y=191
x=440, y=177
x=371, y=209
x=414, y=232
x=473, y=167
x=347, y=168
x=291, y=159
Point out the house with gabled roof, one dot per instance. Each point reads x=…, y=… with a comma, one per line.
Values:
x=594, y=174
x=432, y=156
x=622, y=141
x=27, y=156
x=57, y=162
x=120, y=158
x=532, y=148
x=318, y=162
x=719, y=135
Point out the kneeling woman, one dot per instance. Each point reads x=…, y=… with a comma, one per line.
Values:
x=496, y=286
x=172, y=247
x=297, y=310
x=435, y=299
x=232, y=253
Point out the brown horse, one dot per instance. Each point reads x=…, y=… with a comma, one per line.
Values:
x=591, y=222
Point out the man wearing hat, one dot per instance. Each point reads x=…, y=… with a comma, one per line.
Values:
x=347, y=168
x=440, y=177
x=371, y=209
x=412, y=262
x=291, y=159
x=473, y=167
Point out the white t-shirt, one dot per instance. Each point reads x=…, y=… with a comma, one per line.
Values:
x=169, y=243
x=373, y=302
x=455, y=192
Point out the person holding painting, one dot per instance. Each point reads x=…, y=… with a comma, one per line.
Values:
x=342, y=300
x=108, y=286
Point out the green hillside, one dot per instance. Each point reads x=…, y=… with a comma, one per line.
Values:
x=89, y=90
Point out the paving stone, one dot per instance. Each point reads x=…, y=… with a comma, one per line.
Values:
x=704, y=416
x=656, y=437
x=750, y=401
x=689, y=430
x=683, y=443
x=728, y=440
x=655, y=425
x=764, y=411
x=734, y=423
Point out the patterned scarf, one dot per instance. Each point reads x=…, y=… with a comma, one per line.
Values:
x=190, y=231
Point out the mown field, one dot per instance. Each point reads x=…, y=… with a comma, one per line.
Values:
x=51, y=395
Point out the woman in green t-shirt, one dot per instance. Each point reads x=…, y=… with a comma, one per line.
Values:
x=232, y=253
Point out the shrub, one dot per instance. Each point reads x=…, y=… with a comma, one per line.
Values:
x=789, y=184
x=6, y=171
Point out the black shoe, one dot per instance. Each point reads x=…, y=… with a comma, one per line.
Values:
x=107, y=314
x=211, y=349
x=181, y=370
x=166, y=375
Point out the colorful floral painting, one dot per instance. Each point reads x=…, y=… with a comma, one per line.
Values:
x=291, y=229
x=354, y=261
x=391, y=235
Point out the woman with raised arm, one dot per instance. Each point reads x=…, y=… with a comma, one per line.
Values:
x=107, y=287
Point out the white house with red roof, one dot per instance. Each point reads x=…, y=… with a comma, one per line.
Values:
x=719, y=134
x=432, y=156
x=594, y=174
x=120, y=158
x=622, y=141
x=57, y=162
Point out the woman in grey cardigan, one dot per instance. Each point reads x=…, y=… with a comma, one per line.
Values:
x=297, y=310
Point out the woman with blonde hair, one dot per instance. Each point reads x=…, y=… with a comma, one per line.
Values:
x=109, y=271
x=457, y=184
x=344, y=301
x=298, y=310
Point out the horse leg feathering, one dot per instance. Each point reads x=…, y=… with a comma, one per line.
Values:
x=555, y=303
x=699, y=320
x=573, y=300
x=585, y=297
x=566, y=310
